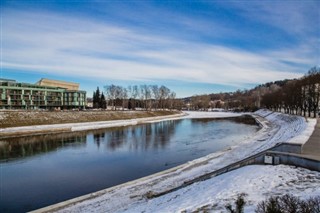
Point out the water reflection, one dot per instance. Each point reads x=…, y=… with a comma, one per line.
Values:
x=13, y=148
x=141, y=137
x=98, y=138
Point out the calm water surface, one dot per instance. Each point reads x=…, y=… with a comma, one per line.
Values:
x=42, y=170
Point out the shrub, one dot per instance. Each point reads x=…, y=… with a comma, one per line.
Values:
x=239, y=204
x=289, y=204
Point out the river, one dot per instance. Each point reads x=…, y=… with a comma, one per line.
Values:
x=37, y=171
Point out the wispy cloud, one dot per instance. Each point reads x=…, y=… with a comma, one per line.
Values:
x=300, y=17
x=60, y=44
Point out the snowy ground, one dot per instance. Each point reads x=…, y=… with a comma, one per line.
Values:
x=276, y=128
x=213, y=194
x=197, y=114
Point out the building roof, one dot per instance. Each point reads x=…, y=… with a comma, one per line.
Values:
x=58, y=83
x=7, y=80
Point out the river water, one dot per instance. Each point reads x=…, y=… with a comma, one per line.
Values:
x=37, y=171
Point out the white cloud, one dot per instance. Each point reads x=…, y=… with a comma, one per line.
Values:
x=294, y=17
x=64, y=45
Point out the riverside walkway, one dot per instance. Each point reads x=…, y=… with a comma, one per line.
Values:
x=311, y=148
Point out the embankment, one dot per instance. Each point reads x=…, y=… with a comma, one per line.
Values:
x=30, y=118
x=24, y=123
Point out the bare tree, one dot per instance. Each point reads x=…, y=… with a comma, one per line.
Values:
x=163, y=94
x=135, y=95
x=142, y=95
x=300, y=96
x=145, y=96
x=172, y=97
x=110, y=90
x=128, y=97
x=156, y=95
x=148, y=97
x=314, y=75
x=123, y=96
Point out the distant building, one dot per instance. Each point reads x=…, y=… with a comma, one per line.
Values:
x=45, y=94
x=89, y=102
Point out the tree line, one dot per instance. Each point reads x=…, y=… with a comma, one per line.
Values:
x=147, y=97
x=241, y=100
x=296, y=96
x=299, y=96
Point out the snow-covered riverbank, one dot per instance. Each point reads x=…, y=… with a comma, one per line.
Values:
x=85, y=126
x=276, y=128
x=257, y=181
x=73, y=127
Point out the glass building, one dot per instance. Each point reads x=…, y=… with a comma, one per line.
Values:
x=45, y=94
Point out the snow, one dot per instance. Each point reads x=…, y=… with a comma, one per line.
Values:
x=257, y=181
x=303, y=126
x=305, y=135
x=197, y=114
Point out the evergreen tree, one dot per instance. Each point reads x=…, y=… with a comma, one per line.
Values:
x=98, y=95
x=96, y=98
x=103, y=103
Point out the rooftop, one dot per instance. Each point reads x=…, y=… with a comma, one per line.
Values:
x=7, y=80
x=58, y=83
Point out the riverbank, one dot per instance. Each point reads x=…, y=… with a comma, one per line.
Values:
x=23, y=122
x=129, y=118
x=18, y=118
x=276, y=127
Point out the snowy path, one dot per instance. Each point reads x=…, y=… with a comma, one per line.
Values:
x=276, y=128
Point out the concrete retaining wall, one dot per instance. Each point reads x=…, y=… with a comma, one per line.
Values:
x=288, y=147
x=295, y=160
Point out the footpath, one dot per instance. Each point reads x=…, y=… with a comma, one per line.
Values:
x=311, y=149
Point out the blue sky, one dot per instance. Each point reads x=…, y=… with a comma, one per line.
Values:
x=192, y=47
